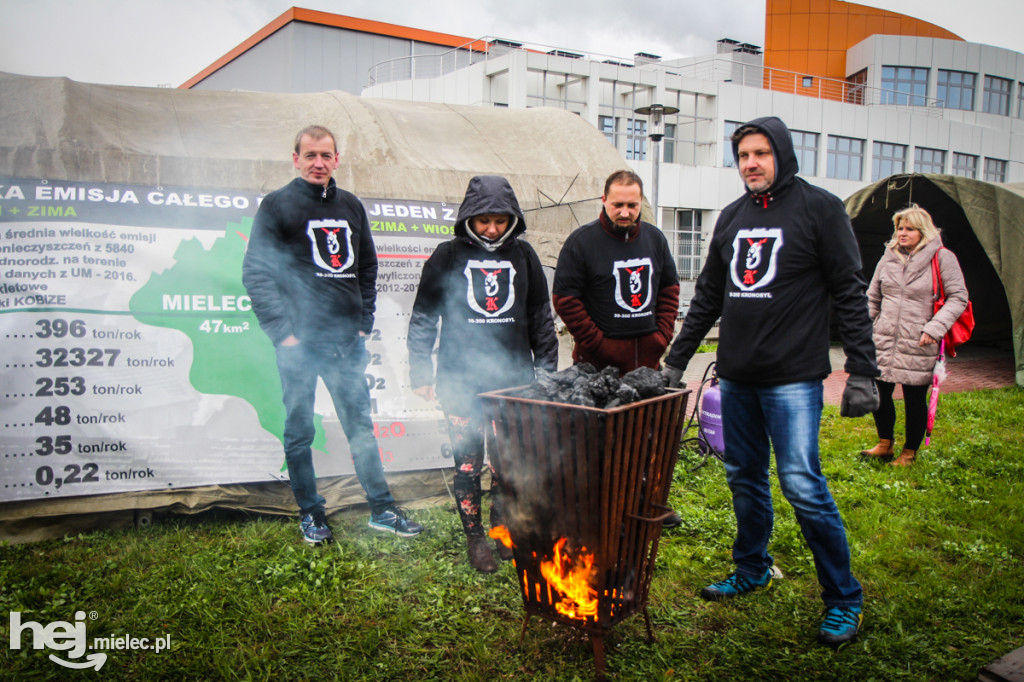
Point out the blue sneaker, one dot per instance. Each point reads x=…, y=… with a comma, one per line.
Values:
x=840, y=625
x=315, y=530
x=735, y=585
x=394, y=520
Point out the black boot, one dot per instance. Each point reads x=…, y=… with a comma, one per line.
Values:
x=480, y=556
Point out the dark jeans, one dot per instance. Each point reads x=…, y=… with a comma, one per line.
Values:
x=342, y=369
x=915, y=404
x=756, y=419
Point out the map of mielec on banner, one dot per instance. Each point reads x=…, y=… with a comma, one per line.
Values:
x=131, y=356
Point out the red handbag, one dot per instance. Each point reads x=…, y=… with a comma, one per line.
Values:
x=964, y=325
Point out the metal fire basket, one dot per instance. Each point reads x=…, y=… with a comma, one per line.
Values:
x=599, y=478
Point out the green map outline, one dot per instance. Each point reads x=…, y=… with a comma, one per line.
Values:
x=236, y=363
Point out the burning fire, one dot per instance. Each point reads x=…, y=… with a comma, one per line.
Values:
x=570, y=577
x=568, y=574
x=500, y=533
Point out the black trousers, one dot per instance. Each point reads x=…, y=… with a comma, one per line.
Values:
x=915, y=405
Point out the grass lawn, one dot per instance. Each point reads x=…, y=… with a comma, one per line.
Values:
x=938, y=547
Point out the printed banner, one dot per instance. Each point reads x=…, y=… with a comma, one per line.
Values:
x=132, y=359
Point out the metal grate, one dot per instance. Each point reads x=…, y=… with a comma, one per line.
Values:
x=597, y=482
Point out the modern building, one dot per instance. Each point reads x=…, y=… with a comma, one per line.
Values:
x=867, y=93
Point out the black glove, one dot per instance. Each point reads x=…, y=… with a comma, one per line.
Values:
x=860, y=397
x=673, y=377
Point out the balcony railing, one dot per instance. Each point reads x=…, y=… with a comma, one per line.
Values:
x=839, y=90
x=425, y=66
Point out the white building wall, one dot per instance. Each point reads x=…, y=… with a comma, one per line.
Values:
x=698, y=180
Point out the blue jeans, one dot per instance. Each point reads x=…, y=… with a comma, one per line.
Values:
x=786, y=417
x=341, y=366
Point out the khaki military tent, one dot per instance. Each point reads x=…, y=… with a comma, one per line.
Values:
x=57, y=129
x=982, y=222
x=60, y=129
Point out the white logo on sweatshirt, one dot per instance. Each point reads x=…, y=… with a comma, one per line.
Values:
x=332, y=244
x=633, y=283
x=755, y=257
x=490, y=291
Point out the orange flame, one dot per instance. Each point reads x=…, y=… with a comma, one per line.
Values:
x=570, y=577
x=500, y=533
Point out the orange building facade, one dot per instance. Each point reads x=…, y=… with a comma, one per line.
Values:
x=808, y=39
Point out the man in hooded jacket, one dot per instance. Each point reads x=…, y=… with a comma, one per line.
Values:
x=778, y=256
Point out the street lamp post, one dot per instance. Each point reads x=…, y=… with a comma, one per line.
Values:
x=657, y=131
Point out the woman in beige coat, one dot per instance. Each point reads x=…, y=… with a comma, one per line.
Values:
x=907, y=330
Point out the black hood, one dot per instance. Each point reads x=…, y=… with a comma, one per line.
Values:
x=782, y=149
x=489, y=194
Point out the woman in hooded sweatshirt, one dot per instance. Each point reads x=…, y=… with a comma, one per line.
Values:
x=907, y=329
x=487, y=289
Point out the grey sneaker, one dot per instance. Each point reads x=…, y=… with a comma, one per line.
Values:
x=315, y=530
x=394, y=520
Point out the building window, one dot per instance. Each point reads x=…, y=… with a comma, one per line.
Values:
x=904, y=85
x=956, y=89
x=857, y=84
x=606, y=124
x=996, y=99
x=929, y=160
x=845, y=158
x=995, y=170
x=636, y=140
x=805, y=145
x=668, y=144
x=1020, y=100
x=728, y=161
x=684, y=238
x=887, y=159
x=618, y=100
x=965, y=165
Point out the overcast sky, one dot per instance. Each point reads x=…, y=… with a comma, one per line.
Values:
x=166, y=42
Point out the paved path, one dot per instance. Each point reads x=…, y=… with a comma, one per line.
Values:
x=973, y=368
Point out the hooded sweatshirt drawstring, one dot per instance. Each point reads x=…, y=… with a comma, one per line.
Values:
x=764, y=198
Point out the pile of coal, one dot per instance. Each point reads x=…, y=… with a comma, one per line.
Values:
x=583, y=385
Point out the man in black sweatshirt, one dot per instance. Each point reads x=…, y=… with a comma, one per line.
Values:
x=616, y=287
x=311, y=271
x=778, y=256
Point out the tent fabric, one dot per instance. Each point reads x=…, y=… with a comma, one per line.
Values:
x=37, y=520
x=59, y=129
x=982, y=222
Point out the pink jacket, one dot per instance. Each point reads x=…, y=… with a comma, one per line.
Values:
x=901, y=306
